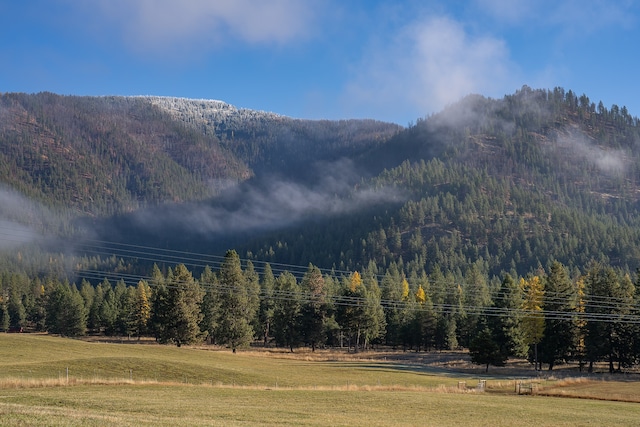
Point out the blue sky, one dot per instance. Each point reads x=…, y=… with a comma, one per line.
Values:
x=388, y=60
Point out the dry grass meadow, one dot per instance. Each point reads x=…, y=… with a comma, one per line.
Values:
x=46, y=380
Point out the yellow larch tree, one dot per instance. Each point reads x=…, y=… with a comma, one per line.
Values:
x=356, y=280
x=533, y=319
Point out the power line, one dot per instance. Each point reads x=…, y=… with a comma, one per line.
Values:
x=200, y=260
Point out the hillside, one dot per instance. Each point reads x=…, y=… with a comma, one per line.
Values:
x=100, y=156
x=273, y=144
x=501, y=184
x=507, y=184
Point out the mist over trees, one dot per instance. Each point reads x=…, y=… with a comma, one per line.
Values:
x=508, y=226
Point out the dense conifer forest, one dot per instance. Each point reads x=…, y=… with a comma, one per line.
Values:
x=505, y=226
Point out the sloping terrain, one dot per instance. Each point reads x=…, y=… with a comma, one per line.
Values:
x=501, y=184
x=105, y=155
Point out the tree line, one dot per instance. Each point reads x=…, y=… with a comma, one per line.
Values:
x=550, y=318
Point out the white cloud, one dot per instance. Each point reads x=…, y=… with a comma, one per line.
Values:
x=158, y=25
x=612, y=162
x=273, y=203
x=430, y=64
x=18, y=218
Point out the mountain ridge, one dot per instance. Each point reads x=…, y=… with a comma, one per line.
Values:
x=511, y=184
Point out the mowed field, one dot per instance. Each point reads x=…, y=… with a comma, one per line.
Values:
x=52, y=381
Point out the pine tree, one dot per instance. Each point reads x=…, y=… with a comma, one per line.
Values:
x=476, y=297
x=109, y=309
x=485, y=351
x=235, y=321
x=185, y=297
x=560, y=331
x=17, y=312
x=422, y=327
x=375, y=321
x=125, y=296
x=210, y=307
x=314, y=311
x=94, y=320
x=611, y=340
x=505, y=324
x=392, y=291
x=66, y=313
x=286, y=316
x=533, y=318
x=4, y=314
x=351, y=313
x=142, y=309
x=267, y=303
x=160, y=306
x=252, y=281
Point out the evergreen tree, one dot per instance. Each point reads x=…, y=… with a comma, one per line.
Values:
x=374, y=321
x=210, y=307
x=476, y=297
x=533, y=318
x=252, y=281
x=236, y=314
x=560, y=331
x=505, y=323
x=396, y=313
x=267, y=303
x=142, y=309
x=485, y=351
x=611, y=299
x=351, y=311
x=422, y=327
x=88, y=293
x=125, y=303
x=94, y=320
x=286, y=316
x=446, y=293
x=184, y=298
x=17, y=312
x=5, y=319
x=109, y=310
x=314, y=310
x=66, y=313
x=160, y=306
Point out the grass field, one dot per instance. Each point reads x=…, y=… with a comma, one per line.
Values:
x=137, y=384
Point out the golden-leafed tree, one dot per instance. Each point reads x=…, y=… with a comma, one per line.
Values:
x=532, y=322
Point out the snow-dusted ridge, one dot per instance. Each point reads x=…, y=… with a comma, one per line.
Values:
x=208, y=112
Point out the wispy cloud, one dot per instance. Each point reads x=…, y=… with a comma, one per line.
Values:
x=432, y=63
x=161, y=25
x=610, y=162
x=272, y=204
x=19, y=219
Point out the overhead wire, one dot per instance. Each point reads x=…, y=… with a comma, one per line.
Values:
x=200, y=260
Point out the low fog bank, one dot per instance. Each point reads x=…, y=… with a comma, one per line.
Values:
x=262, y=204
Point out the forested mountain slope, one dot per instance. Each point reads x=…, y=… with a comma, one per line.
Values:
x=273, y=144
x=504, y=184
x=509, y=184
x=105, y=155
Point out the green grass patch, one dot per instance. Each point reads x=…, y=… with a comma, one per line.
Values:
x=46, y=357
x=181, y=405
x=147, y=384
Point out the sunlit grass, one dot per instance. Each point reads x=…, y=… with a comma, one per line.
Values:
x=147, y=384
x=183, y=405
